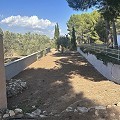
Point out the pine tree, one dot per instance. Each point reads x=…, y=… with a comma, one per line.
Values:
x=108, y=8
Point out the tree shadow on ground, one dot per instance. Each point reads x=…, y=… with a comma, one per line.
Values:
x=51, y=89
x=77, y=64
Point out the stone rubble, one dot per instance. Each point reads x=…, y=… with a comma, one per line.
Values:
x=15, y=87
x=18, y=110
x=96, y=113
x=109, y=106
x=39, y=113
x=99, y=111
x=5, y=116
x=82, y=109
x=100, y=107
x=36, y=112
x=11, y=113
x=69, y=109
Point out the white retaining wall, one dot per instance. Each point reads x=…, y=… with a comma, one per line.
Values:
x=15, y=67
x=110, y=71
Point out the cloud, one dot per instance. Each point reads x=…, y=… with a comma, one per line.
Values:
x=29, y=24
x=25, y=21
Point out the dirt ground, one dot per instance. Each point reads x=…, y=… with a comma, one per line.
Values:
x=58, y=81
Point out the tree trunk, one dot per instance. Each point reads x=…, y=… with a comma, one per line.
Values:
x=107, y=31
x=114, y=35
x=62, y=49
x=82, y=37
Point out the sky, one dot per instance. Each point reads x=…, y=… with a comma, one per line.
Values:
x=38, y=16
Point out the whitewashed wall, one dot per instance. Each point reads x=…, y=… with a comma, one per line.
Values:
x=110, y=71
x=15, y=67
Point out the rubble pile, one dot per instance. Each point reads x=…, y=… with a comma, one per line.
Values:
x=97, y=112
x=11, y=113
x=15, y=87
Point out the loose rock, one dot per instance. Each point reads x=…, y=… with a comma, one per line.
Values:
x=5, y=115
x=109, y=106
x=100, y=107
x=118, y=104
x=75, y=110
x=82, y=109
x=45, y=113
x=42, y=116
x=36, y=112
x=18, y=110
x=11, y=113
x=96, y=113
x=69, y=109
x=33, y=106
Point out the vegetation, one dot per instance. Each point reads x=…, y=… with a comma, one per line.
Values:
x=87, y=30
x=109, y=9
x=24, y=44
x=102, y=55
x=56, y=36
x=63, y=42
x=73, y=40
x=118, y=26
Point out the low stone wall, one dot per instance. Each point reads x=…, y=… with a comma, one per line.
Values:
x=110, y=71
x=15, y=67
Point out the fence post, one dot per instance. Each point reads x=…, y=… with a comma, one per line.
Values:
x=3, y=98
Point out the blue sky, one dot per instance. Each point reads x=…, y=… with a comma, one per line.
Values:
x=35, y=15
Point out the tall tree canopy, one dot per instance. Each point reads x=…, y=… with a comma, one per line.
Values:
x=85, y=28
x=110, y=9
x=118, y=26
x=85, y=4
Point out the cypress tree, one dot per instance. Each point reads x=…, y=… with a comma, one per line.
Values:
x=58, y=33
x=73, y=40
x=56, y=36
x=55, y=33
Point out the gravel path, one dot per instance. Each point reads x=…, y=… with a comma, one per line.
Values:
x=58, y=81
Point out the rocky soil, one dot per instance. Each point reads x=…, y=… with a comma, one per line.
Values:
x=73, y=112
